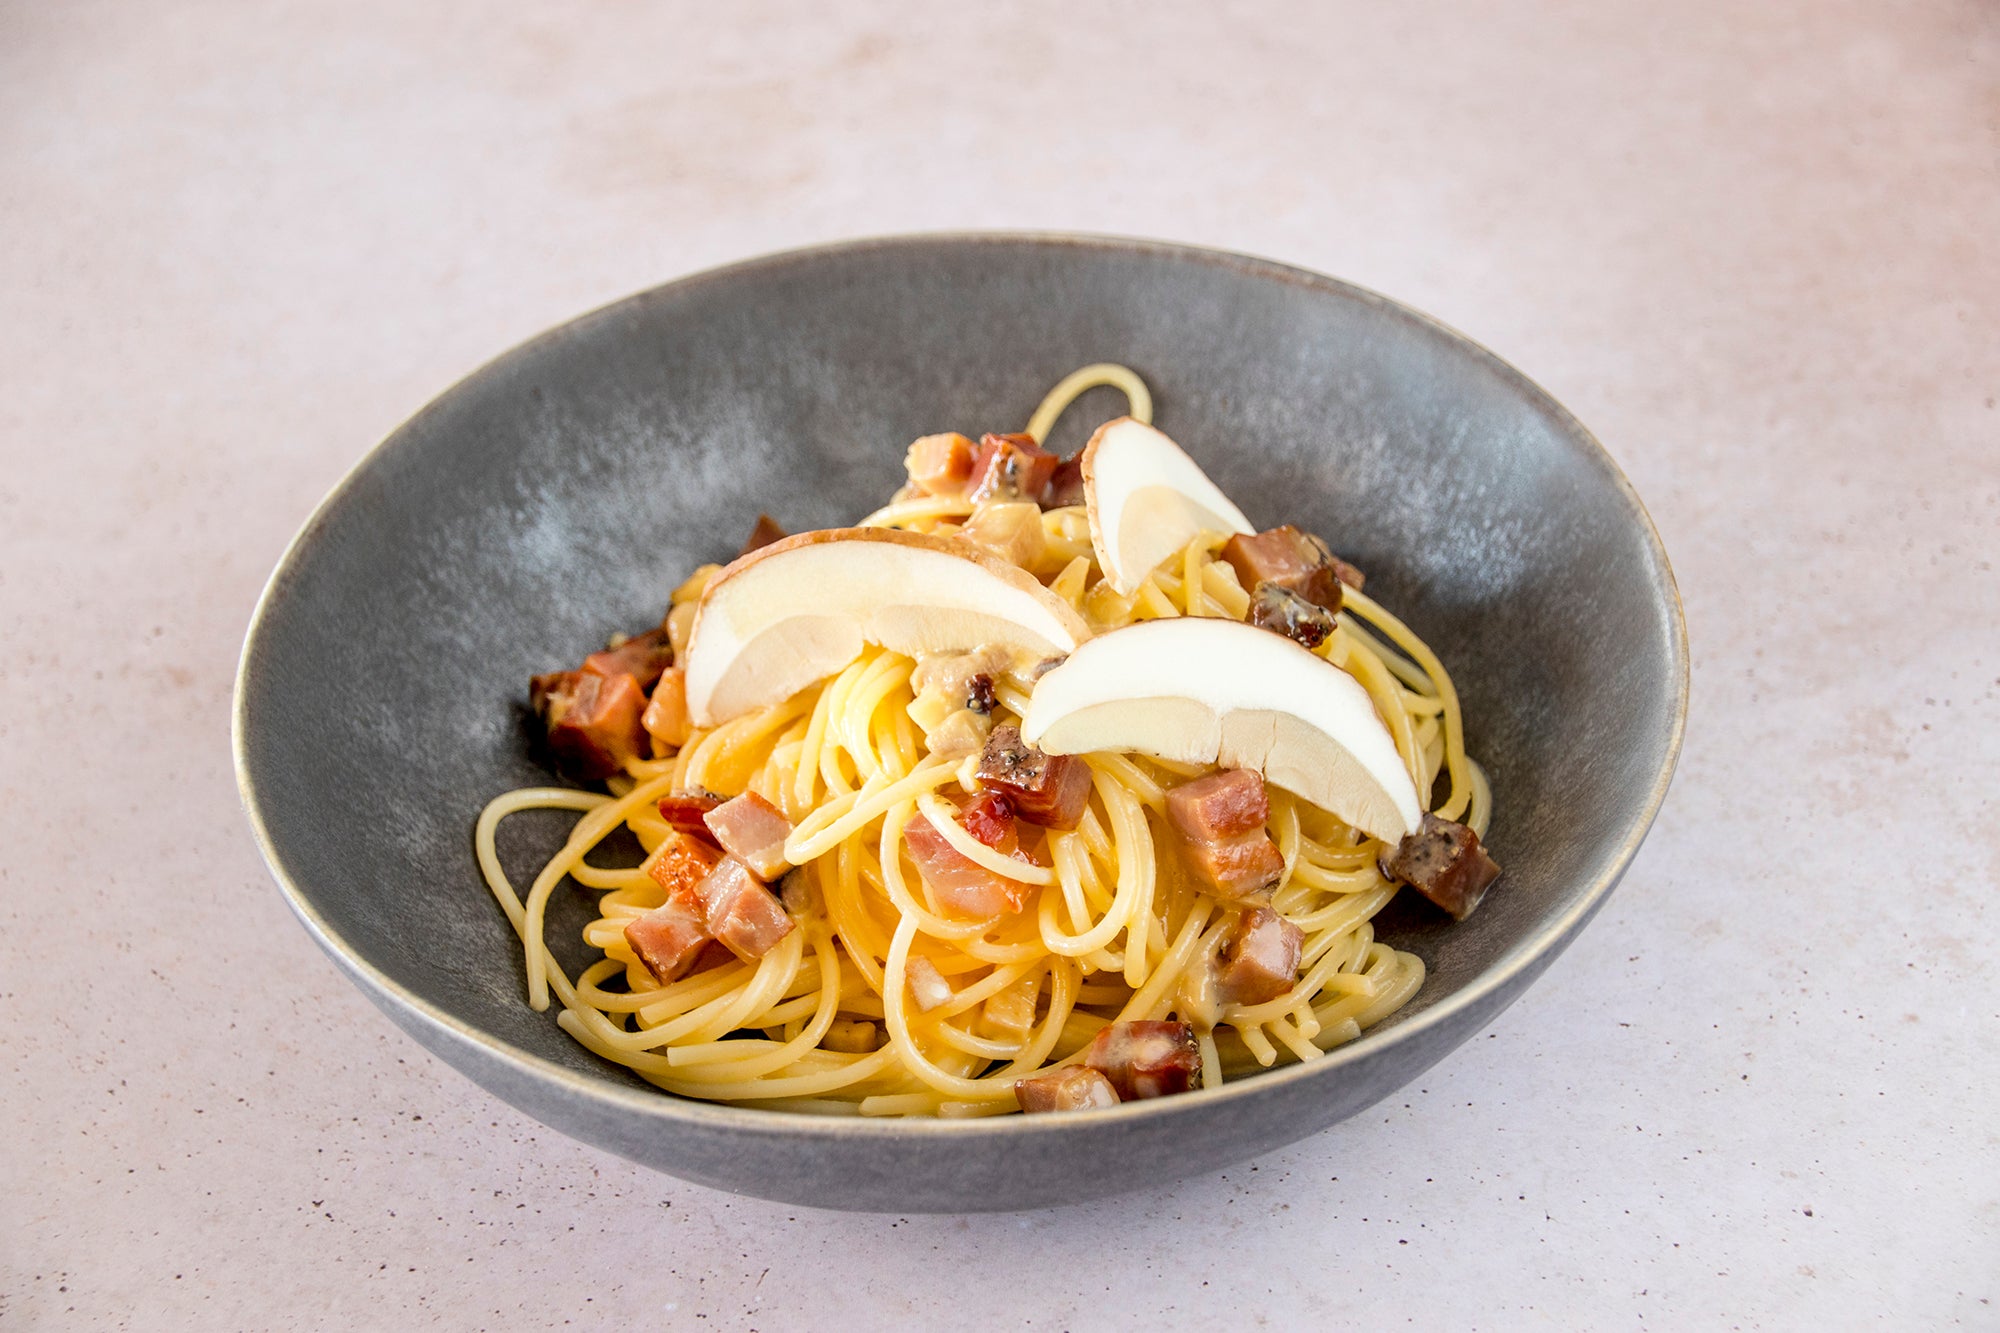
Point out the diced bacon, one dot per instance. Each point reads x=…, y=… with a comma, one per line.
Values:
x=1260, y=959
x=990, y=818
x=1283, y=611
x=1146, y=1058
x=1443, y=861
x=682, y=862
x=685, y=811
x=1010, y=529
x=961, y=884
x=666, y=718
x=742, y=913
x=1011, y=467
x=753, y=830
x=940, y=464
x=593, y=721
x=762, y=533
x=642, y=656
x=1075, y=1088
x=1221, y=805
x=928, y=988
x=1294, y=560
x=668, y=940
x=1065, y=484
x=1045, y=789
x=1237, y=867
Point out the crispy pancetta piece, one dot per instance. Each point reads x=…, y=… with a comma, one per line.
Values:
x=1260, y=959
x=1147, y=1058
x=1294, y=560
x=1047, y=789
x=1443, y=861
x=669, y=940
x=1283, y=611
x=940, y=464
x=641, y=656
x=990, y=818
x=741, y=912
x=1065, y=484
x=1011, y=467
x=961, y=884
x=592, y=720
x=762, y=533
x=666, y=718
x=753, y=830
x=1221, y=819
x=1074, y=1088
x=682, y=862
x=687, y=811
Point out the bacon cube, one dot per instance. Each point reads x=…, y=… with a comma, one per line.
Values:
x=680, y=865
x=762, y=533
x=686, y=811
x=1221, y=805
x=961, y=884
x=641, y=656
x=1260, y=959
x=940, y=464
x=1147, y=1058
x=666, y=717
x=668, y=940
x=1045, y=789
x=1011, y=467
x=1443, y=861
x=1065, y=486
x=1294, y=560
x=742, y=913
x=592, y=720
x=1283, y=611
x=1237, y=867
x=1074, y=1088
x=753, y=830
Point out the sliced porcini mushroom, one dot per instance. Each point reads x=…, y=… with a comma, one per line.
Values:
x=800, y=609
x=1147, y=499
x=1207, y=691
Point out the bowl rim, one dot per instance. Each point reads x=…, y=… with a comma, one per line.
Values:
x=667, y=1108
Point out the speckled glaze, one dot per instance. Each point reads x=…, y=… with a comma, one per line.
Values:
x=560, y=492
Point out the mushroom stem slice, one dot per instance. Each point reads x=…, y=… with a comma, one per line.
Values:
x=1208, y=691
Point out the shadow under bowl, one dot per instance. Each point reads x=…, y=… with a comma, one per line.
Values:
x=561, y=491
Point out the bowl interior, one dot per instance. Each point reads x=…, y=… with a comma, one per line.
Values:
x=560, y=493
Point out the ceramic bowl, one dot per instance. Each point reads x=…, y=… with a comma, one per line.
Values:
x=559, y=492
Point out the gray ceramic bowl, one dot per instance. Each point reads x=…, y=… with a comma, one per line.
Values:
x=561, y=491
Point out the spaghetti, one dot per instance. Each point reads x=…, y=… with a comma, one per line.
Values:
x=1113, y=929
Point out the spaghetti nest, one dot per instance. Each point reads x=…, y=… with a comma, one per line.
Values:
x=1113, y=929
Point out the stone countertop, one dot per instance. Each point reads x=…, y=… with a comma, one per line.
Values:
x=1751, y=246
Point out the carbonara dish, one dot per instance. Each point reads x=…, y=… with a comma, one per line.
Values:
x=1051, y=784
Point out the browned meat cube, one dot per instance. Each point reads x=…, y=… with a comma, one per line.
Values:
x=1075, y=1088
x=742, y=913
x=686, y=811
x=642, y=656
x=753, y=830
x=961, y=884
x=1260, y=959
x=1045, y=789
x=668, y=940
x=940, y=464
x=762, y=534
x=682, y=862
x=1011, y=467
x=1065, y=484
x=666, y=717
x=592, y=720
x=1148, y=1058
x=1291, y=559
x=1443, y=861
x=1237, y=867
x=1283, y=611
x=1221, y=805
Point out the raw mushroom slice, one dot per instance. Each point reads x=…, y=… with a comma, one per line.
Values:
x=800, y=609
x=1147, y=499
x=1208, y=691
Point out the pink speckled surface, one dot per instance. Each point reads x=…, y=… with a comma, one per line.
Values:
x=1752, y=247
